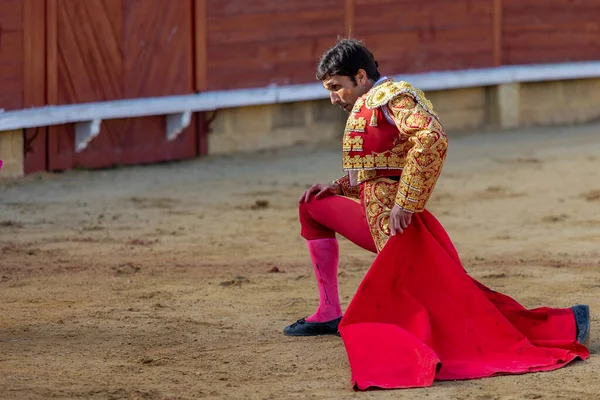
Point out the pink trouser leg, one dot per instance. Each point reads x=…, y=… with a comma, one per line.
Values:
x=324, y=254
x=321, y=220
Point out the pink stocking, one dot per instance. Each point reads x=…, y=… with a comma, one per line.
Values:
x=324, y=254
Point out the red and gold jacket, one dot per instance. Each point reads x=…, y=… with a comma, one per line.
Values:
x=392, y=131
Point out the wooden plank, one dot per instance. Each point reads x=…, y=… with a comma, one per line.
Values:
x=87, y=69
x=11, y=15
x=13, y=100
x=11, y=69
x=51, y=51
x=200, y=51
x=550, y=55
x=258, y=49
x=201, y=45
x=34, y=82
x=297, y=73
x=547, y=36
x=242, y=66
x=90, y=69
x=556, y=12
x=428, y=17
x=11, y=83
x=34, y=63
x=158, y=39
x=11, y=54
x=145, y=51
x=156, y=42
x=268, y=53
x=11, y=65
x=349, y=18
x=11, y=46
x=257, y=28
x=11, y=59
x=434, y=36
x=497, y=32
x=453, y=49
x=551, y=31
x=227, y=8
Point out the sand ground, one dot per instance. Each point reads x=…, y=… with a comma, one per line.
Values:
x=154, y=282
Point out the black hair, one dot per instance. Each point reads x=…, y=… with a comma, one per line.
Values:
x=346, y=58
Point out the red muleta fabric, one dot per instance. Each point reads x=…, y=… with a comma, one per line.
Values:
x=418, y=317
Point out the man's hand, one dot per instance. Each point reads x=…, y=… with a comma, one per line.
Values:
x=319, y=191
x=399, y=220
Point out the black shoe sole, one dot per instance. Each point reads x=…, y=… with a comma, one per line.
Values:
x=303, y=328
x=311, y=334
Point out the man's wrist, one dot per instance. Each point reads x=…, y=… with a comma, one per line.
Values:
x=402, y=208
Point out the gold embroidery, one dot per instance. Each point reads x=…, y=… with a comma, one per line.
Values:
x=366, y=174
x=358, y=104
x=354, y=124
x=424, y=158
x=379, y=195
x=402, y=102
x=419, y=150
x=381, y=94
x=417, y=121
x=347, y=189
x=352, y=143
x=372, y=161
x=373, y=119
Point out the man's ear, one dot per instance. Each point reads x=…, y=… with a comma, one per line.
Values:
x=361, y=77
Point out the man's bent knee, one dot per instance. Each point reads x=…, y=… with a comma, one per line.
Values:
x=312, y=229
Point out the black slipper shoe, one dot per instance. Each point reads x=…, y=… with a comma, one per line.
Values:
x=304, y=328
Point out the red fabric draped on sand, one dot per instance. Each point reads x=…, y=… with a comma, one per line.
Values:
x=417, y=317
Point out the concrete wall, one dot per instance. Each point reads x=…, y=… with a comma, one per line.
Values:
x=560, y=102
x=11, y=153
x=276, y=125
x=462, y=111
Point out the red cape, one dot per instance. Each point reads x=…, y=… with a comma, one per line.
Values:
x=418, y=316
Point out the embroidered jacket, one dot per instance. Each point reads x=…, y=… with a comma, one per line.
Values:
x=393, y=131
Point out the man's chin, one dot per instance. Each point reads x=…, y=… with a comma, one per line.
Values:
x=347, y=108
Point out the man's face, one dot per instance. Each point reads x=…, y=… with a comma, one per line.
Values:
x=343, y=91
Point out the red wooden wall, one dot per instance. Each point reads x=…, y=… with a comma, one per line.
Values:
x=254, y=42
x=11, y=54
x=410, y=36
x=22, y=69
x=114, y=49
x=547, y=31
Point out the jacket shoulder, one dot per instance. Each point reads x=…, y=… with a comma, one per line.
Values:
x=385, y=92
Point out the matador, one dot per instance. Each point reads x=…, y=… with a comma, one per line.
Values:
x=417, y=315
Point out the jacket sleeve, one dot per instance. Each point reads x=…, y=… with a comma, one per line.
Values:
x=347, y=189
x=425, y=157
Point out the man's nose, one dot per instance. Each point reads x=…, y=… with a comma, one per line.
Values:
x=334, y=98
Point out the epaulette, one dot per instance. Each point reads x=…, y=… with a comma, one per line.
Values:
x=381, y=94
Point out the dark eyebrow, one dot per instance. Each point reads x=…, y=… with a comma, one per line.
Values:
x=330, y=83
